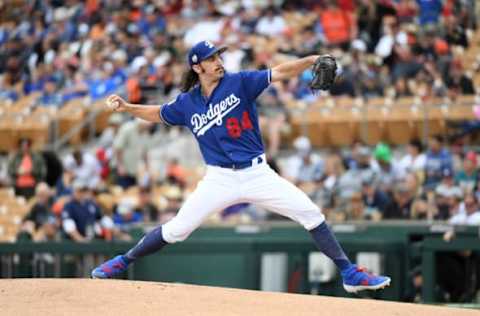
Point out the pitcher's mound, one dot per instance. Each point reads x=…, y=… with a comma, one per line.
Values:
x=116, y=297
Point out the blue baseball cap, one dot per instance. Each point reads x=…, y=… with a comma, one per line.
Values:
x=203, y=50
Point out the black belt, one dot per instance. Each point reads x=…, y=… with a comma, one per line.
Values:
x=242, y=165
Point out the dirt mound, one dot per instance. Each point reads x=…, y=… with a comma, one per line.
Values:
x=116, y=297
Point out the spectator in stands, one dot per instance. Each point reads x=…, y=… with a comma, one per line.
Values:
x=151, y=22
x=271, y=23
x=400, y=206
x=448, y=187
x=304, y=166
x=82, y=219
x=352, y=70
x=126, y=214
x=26, y=168
x=414, y=183
x=414, y=161
x=337, y=25
x=36, y=81
x=406, y=10
x=407, y=65
x=50, y=96
x=105, y=153
x=392, y=36
x=107, y=137
x=75, y=217
x=84, y=167
x=174, y=197
x=369, y=20
x=333, y=170
x=360, y=168
x=53, y=165
x=456, y=80
x=421, y=210
x=49, y=231
x=448, y=200
x=104, y=161
x=371, y=85
x=355, y=209
x=467, y=177
x=8, y=93
x=63, y=186
x=402, y=89
x=146, y=206
x=234, y=56
x=75, y=87
x=105, y=84
x=455, y=32
x=326, y=187
x=375, y=200
x=388, y=172
x=176, y=173
x=105, y=228
x=430, y=11
x=438, y=160
x=209, y=28
x=130, y=145
x=40, y=212
x=468, y=213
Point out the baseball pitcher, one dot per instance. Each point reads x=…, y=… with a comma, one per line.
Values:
x=219, y=109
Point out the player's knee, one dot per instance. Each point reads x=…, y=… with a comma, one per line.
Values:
x=179, y=237
x=175, y=233
x=311, y=219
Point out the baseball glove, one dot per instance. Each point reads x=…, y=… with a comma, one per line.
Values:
x=324, y=72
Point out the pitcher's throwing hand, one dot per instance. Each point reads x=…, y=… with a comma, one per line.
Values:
x=116, y=103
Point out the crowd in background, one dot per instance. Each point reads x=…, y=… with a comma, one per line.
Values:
x=435, y=182
x=73, y=49
x=94, y=193
x=69, y=48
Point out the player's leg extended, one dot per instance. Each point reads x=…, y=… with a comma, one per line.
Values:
x=267, y=189
x=212, y=194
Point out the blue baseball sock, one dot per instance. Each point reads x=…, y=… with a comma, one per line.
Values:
x=150, y=243
x=328, y=244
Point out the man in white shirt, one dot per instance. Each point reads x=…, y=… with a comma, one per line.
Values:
x=303, y=166
x=468, y=213
x=414, y=160
x=84, y=166
x=233, y=57
x=271, y=24
x=130, y=146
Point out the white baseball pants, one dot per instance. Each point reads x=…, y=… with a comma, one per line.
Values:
x=259, y=185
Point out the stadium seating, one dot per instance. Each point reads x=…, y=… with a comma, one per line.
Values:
x=12, y=211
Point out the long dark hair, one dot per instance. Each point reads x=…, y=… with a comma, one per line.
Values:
x=190, y=79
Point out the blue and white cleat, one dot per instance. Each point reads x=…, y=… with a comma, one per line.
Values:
x=110, y=268
x=358, y=279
